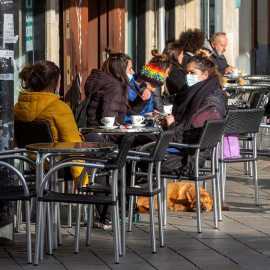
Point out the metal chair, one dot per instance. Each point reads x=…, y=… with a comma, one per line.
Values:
x=150, y=159
x=239, y=122
x=209, y=138
x=156, y=156
x=45, y=196
x=37, y=132
x=21, y=192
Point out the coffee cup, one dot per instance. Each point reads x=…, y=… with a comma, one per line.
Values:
x=235, y=72
x=167, y=109
x=108, y=121
x=137, y=119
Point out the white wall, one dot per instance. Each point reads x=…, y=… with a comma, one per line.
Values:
x=52, y=31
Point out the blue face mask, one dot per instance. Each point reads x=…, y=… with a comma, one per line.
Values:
x=129, y=76
x=191, y=79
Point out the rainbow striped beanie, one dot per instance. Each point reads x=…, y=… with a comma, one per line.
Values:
x=153, y=73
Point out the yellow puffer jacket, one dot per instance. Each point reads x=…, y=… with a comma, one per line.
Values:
x=41, y=106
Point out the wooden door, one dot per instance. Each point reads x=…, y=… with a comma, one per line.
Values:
x=89, y=26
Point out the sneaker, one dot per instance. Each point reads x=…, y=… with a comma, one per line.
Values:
x=105, y=226
x=136, y=217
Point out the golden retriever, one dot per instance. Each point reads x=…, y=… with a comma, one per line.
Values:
x=181, y=196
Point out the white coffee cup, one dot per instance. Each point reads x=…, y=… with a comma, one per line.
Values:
x=235, y=72
x=167, y=109
x=137, y=119
x=108, y=121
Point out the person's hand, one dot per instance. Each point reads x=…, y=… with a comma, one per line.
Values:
x=162, y=123
x=229, y=69
x=150, y=86
x=153, y=113
x=146, y=94
x=206, y=53
x=169, y=119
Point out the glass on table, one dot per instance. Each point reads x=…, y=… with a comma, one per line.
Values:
x=241, y=81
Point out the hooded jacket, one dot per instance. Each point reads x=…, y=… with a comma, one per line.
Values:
x=42, y=106
x=107, y=98
x=219, y=60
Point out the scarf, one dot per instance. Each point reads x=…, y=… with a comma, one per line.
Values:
x=189, y=99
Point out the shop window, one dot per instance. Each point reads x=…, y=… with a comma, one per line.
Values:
x=29, y=25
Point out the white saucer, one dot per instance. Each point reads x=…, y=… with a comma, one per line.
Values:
x=138, y=125
x=112, y=127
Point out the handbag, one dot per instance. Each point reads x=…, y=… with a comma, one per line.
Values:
x=231, y=147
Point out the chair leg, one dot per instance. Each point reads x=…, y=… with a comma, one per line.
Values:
x=152, y=223
x=256, y=182
x=198, y=207
x=115, y=235
x=130, y=213
x=89, y=224
x=19, y=216
x=38, y=232
x=160, y=221
x=160, y=204
x=28, y=231
x=123, y=209
x=218, y=187
x=77, y=229
x=70, y=185
x=223, y=180
x=164, y=200
x=47, y=229
x=214, y=192
x=59, y=237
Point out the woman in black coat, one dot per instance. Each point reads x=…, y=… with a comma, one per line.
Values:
x=203, y=89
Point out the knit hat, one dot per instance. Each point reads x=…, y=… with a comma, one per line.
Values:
x=153, y=73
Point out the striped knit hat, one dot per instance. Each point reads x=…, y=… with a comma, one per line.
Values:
x=153, y=73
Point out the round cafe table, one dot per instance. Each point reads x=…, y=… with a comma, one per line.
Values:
x=258, y=78
x=122, y=130
x=248, y=87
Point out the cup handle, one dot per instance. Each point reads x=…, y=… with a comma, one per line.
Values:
x=102, y=121
x=143, y=118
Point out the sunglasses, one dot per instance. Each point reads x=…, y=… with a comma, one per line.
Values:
x=217, y=34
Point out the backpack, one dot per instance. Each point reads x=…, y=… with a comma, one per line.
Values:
x=81, y=113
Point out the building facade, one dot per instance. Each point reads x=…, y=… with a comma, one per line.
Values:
x=75, y=33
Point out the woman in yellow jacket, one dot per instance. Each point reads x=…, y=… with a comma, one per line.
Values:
x=40, y=102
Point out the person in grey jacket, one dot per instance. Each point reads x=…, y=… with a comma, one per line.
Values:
x=216, y=46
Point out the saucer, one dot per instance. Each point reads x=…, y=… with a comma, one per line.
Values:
x=112, y=127
x=138, y=125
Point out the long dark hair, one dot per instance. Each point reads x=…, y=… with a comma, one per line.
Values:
x=204, y=64
x=116, y=66
x=40, y=75
x=173, y=50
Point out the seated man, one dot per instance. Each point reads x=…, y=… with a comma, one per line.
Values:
x=217, y=46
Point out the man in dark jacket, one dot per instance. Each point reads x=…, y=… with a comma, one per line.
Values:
x=217, y=46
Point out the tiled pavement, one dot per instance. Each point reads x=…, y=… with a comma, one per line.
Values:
x=242, y=240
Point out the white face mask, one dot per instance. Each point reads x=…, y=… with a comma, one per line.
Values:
x=191, y=79
x=129, y=76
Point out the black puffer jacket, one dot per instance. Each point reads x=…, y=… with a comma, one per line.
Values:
x=107, y=98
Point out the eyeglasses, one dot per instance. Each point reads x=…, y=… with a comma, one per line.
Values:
x=217, y=34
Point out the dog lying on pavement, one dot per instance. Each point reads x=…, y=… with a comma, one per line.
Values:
x=181, y=196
